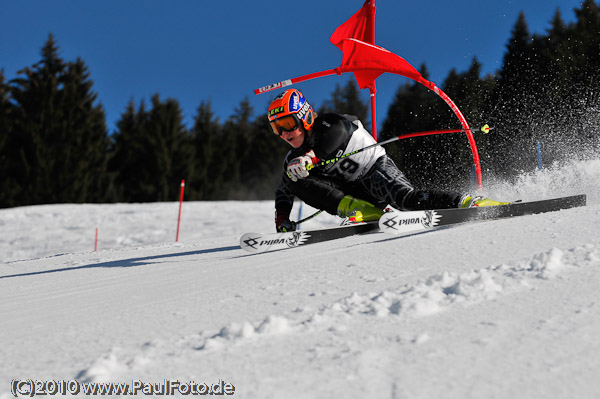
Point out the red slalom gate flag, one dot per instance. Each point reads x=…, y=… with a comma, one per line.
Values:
x=360, y=26
x=356, y=39
x=368, y=61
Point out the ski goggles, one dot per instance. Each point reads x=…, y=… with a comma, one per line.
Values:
x=288, y=123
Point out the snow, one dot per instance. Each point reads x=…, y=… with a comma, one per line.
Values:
x=498, y=309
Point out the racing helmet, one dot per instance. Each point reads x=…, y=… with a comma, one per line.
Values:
x=288, y=110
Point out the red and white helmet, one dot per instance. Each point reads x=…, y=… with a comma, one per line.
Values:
x=288, y=110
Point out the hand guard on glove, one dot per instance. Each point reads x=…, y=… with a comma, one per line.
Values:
x=284, y=224
x=299, y=166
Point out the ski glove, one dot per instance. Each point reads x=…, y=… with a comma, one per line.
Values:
x=286, y=226
x=298, y=167
x=283, y=223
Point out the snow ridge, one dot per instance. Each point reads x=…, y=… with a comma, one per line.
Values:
x=440, y=292
x=426, y=298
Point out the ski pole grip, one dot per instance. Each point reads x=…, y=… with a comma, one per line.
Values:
x=313, y=164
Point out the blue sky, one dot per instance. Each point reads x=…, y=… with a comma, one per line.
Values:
x=221, y=50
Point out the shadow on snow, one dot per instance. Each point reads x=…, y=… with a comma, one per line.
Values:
x=133, y=262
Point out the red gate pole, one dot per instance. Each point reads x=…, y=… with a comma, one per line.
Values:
x=372, y=91
x=180, y=204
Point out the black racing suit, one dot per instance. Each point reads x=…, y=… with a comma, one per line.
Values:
x=369, y=175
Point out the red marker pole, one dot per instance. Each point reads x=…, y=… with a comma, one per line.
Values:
x=180, y=204
x=96, y=241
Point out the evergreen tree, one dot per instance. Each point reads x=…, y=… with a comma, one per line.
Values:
x=60, y=135
x=7, y=183
x=127, y=153
x=557, y=60
x=346, y=100
x=233, y=150
x=511, y=148
x=453, y=152
x=516, y=60
x=586, y=37
x=152, y=152
x=551, y=82
x=416, y=109
x=262, y=165
x=171, y=147
x=470, y=92
x=584, y=99
x=207, y=134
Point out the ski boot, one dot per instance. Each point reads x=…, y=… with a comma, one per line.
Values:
x=357, y=210
x=469, y=201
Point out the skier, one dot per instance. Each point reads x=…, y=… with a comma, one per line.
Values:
x=359, y=186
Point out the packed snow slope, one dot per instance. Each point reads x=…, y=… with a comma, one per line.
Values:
x=497, y=309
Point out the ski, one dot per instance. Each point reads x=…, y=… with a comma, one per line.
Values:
x=400, y=222
x=263, y=242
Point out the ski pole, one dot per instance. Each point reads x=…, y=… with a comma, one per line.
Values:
x=309, y=217
x=320, y=163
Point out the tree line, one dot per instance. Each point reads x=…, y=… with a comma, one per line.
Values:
x=55, y=146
